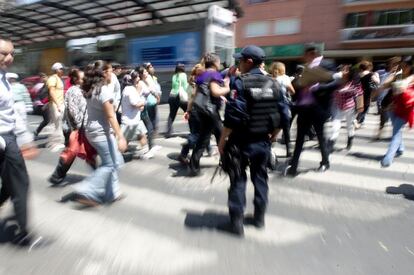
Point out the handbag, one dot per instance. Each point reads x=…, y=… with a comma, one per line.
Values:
x=182, y=94
x=79, y=145
x=151, y=100
x=202, y=101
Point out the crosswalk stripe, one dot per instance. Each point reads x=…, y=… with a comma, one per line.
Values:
x=173, y=207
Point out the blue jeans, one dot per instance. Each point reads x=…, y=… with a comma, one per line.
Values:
x=396, y=144
x=103, y=185
x=255, y=155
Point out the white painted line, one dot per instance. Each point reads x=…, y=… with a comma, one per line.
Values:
x=383, y=246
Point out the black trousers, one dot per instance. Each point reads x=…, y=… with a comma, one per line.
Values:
x=175, y=104
x=255, y=155
x=208, y=125
x=152, y=111
x=307, y=117
x=45, y=121
x=367, y=101
x=150, y=127
x=14, y=179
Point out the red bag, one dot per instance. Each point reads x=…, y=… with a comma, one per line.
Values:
x=404, y=105
x=79, y=146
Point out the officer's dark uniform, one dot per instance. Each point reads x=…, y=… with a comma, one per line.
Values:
x=260, y=95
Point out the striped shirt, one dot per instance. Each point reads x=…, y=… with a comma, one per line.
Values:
x=345, y=97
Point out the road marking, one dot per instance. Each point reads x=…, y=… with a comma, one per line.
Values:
x=278, y=230
x=409, y=251
x=383, y=246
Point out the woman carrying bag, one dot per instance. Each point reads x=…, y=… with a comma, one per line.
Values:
x=76, y=116
x=178, y=96
x=401, y=113
x=105, y=135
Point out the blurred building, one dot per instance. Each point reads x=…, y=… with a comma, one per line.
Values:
x=130, y=32
x=345, y=29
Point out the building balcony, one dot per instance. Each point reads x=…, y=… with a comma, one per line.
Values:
x=372, y=5
x=364, y=2
x=377, y=34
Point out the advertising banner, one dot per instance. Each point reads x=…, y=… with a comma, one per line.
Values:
x=165, y=51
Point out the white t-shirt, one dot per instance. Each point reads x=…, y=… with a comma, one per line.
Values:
x=98, y=127
x=131, y=115
x=284, y=81
x=116, y=89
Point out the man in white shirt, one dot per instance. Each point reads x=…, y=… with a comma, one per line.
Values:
x=14, y=176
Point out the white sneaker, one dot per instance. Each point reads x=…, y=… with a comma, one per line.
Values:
x=356, y=124
x=148, y=155
x=156, y=148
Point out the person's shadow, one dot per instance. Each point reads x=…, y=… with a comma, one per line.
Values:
x=366, y=156
x=212, y=220
x=407, y=190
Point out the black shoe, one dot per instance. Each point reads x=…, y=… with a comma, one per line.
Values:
x=349, y=143
x=183, y=160
x=55, y=181
x=191, y=173
x=22, y=239
x=60, y=172
x=236, y=225
x=290, y=172
x=259, y=220
x=323, y=167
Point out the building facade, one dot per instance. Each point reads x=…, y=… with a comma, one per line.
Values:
x=344, y=29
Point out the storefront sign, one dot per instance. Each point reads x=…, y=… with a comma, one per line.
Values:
x=165, y=51
x=291, y=50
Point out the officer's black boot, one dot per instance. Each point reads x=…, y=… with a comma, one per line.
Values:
x=236, y=224
x=259, y=220
x=60, y=172
x=349, y=143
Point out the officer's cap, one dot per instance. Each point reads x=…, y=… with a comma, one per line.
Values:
x=254, y=52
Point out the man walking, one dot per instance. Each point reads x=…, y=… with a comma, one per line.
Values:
x=14, y=177
x=251, y=121
x=313, y=106
x=56, y=107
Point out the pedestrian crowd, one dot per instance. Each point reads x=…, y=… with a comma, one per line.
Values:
x=105, y=112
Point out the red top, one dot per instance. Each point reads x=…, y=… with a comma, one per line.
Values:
x=404, y=105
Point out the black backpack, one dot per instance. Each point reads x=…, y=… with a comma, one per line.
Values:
x=202, y=100
x=43, y=93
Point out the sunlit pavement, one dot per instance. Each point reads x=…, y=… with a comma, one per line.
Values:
x=344, y=221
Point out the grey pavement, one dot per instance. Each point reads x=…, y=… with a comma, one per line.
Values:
x=356, y=218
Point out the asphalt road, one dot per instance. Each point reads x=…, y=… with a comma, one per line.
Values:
x=356, y=218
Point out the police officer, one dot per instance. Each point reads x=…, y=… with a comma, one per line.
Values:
x=251, y=122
